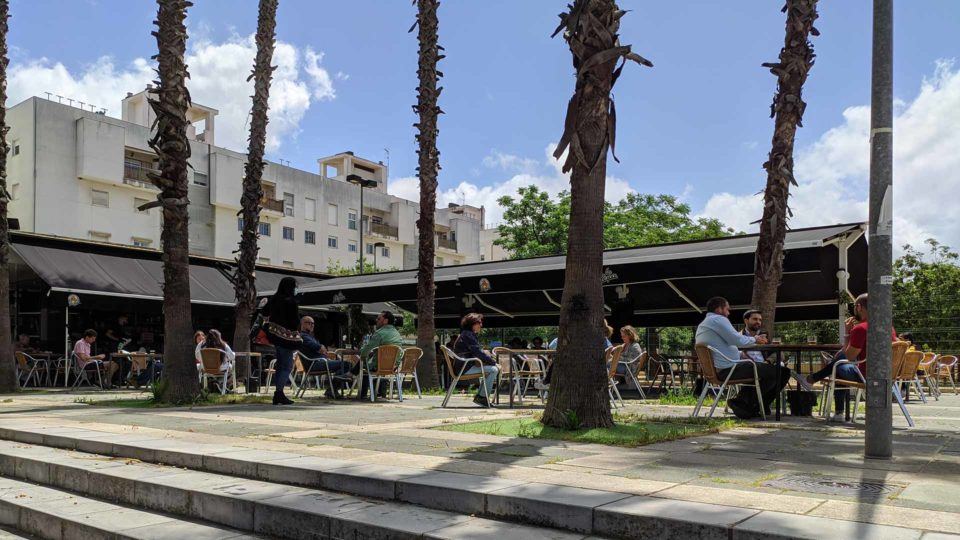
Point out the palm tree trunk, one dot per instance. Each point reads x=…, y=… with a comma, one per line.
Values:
x=244, y=279
x=428, y=168
x=171, y=145
x=796, y=59
x=8, y=366
x=578, y=391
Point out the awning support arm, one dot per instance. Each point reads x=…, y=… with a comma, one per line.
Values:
x=681, y=295
x=488, y=306
x=550, y=299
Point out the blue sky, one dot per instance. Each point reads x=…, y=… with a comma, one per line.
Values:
x=696, y=125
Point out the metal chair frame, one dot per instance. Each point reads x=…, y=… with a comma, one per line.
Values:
x=450, y=357
x=710, y=377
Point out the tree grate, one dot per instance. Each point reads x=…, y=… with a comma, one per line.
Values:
x=833, y=485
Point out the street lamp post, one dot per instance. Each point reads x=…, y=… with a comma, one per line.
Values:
x=375, y=247
x=362, y=183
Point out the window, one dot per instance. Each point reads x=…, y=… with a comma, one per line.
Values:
x=200, y=179
x=15, y=191
x=385, y=252
x=453, y=236
x=438, y=261
x=369, y=249
x=239, y=223
x=288, y=233
x=332, y=214
x=137, y=203
x=288, y=204
x=483, y=257
x=264, y=229
x=332, y=242
x=309, y=237
x=352, y=247
x=352, y=219
x=142, y=242
x=100, y=198
x=311, y=267
x=288, y=264
x=310, y=209
x=264, y=260
x=15, y=148
x=99, y=236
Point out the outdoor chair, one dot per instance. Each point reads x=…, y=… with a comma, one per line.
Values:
x=928, y=368
x=27, y=369
x=294, y=370
x=407, y=370
x=386, y=358
x=82, y=374
x=908, y=372
x=466, y=363
x=896, y=369
x=712, y=380
x=664, y=368
x=633, y=368
x=317, y=368
x=210, y=368
x=946, y=365
x=612, y=357
x=526, y=371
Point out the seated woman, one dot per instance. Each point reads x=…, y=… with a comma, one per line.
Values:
x=198, y=338
x=468, y=346
x=631, y=349
x=215, y=341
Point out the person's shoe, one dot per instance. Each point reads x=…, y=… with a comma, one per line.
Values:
x=802, y=381
x=838, y=417
x=481, y=401
x=742, y=410
x=280, y=399
x=540, y=385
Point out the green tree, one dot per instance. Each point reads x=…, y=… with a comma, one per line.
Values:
x=534, y=224
x=926, y=290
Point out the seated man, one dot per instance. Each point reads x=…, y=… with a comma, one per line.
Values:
x=81, y=350
x=23, y=344
x=855, y=349
x=752, y=326
x=717, y=332
x=385, y=334
x=311, y=349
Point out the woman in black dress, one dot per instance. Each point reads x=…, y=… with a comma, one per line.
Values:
x=282, y=309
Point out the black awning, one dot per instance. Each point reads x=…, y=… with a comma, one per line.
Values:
x=77, y=267
x=660, y=285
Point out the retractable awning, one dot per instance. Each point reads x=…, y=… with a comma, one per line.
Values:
x=70, y=267
x=660, y=285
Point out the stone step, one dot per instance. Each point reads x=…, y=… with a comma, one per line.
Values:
x=56, y=514
x=247, y=506
x=606, y=513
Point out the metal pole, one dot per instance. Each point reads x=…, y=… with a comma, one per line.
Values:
x=360, y=227
x=879, y=422
x=66, y=347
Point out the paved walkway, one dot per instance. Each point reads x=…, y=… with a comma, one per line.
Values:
x=799, y=466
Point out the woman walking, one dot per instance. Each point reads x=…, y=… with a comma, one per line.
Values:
x=282, y=316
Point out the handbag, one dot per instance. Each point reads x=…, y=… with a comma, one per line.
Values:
x=282, y=337
x=257, y=334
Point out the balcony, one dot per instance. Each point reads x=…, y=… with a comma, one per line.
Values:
x=446, y=243
x=135, y=174
x=272, y=205
x=382, y=229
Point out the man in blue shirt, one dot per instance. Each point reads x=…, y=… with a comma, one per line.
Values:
x=716, y=331
x=313, y=353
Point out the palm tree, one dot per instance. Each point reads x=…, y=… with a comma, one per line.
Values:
x=8, y=370
x=578, y=393
x=428, y=168
x=796, y=59
x=170, y=103
x=244, y=278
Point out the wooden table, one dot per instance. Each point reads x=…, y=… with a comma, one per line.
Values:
x=537, y=352
x=799, y=348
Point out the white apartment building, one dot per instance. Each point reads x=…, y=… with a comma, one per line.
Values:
x=82, y=174
x=488, y=250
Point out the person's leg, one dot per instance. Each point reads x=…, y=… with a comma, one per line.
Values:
x=770, y=386
x=822, y=373
x=490, y=379
x=284, y=366
x=745, y=404
x=111, y=368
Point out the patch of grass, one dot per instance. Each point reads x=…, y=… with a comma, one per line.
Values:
x=150, y=403
x=685, y=397
x=631, y=430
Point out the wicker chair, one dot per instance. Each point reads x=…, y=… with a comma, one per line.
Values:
x=927, y=372
x=946, y=366
x=407, y=370
x=210, y=367
x=386, y=358
x=713, y=382
x=458, y=375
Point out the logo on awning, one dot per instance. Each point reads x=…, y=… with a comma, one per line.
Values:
x=339, y=298
x=608, y=276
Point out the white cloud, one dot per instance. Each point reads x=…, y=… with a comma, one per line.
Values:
x=545, y=174
x=218, y=78
x=833, y=172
